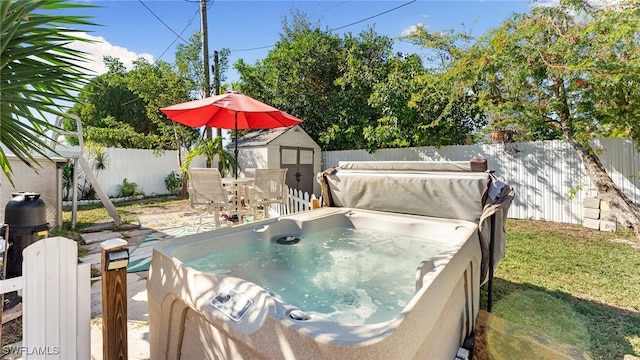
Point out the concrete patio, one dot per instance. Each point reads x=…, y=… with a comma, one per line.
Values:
x=137, y=313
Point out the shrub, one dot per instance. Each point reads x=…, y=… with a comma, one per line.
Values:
x=128, y=189
x=173, y=183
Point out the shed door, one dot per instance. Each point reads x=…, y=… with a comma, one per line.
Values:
x=299, y=162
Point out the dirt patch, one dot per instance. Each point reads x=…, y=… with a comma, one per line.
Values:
x=150, y=207
x=11, y=332
x=11, y=329
x=633, y=244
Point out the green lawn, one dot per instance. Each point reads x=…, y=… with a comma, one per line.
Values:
x=576, y=285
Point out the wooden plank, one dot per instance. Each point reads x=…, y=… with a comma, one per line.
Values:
x=12, y=314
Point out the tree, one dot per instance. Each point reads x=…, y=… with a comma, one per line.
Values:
x=364, y=62
x=571, y=69
x=158, y=85
x=323, y=79
x=190, y=67
x=447, y=110
x=122, y=108
x=210, y=149
x=298, y=76
x=189, y=64
x=37, y=74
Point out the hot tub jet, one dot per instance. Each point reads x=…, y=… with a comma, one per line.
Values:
x=288, y=240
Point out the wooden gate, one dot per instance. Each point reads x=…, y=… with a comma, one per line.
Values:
x=56, y=296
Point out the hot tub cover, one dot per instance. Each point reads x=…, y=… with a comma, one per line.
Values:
x=448, y=190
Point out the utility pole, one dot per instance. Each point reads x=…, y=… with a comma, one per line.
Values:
x=205, y=57
x=216, y=80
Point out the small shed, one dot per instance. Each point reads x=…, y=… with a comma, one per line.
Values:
x=290, y=148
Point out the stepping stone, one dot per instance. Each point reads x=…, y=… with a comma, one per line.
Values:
x=136, y=233
x=91, y=238
x=93, y=259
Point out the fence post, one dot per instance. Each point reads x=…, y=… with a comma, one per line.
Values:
x=315, y=203
x=115, y=258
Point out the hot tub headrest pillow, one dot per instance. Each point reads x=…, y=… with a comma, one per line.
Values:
x=443, y=194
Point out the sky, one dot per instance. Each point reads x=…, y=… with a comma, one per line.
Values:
x=130, y=29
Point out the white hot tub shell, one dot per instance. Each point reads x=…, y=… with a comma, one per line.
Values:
x=197, y=314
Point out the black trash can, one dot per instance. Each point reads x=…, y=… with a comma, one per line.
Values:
x=26, y=217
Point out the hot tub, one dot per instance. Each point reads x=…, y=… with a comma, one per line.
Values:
x=332, y=283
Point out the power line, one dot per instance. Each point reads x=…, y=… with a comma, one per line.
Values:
x=163, y=23
x=255, y=48
x=182, y=32
x=374, y=16
x=340, y=27
x=312, y=15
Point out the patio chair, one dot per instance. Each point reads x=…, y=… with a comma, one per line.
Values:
x=250, y=173
x=269, y=188
x=207, y=195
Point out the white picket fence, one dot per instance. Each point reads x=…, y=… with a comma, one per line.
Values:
x=297, y=201
x=56, y=302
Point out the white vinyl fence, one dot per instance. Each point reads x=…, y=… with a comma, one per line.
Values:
x=544, y=174
x=146, y=168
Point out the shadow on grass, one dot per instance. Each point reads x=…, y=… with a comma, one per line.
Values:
x=603, y=331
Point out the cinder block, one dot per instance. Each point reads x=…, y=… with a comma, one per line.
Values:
x=606, y=225
x=608, y=215
x=591, y=202
x=591, y=213
x=591, y=223
x=604, y=206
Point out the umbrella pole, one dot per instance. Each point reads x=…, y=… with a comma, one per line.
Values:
x=235, y=151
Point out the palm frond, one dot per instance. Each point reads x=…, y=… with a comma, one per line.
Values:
x=38, y=73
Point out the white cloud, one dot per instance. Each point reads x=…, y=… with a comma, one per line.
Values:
x=595, y=3
x=547, y=3
x=616, y=4
x=101, y=47
x=413, y=28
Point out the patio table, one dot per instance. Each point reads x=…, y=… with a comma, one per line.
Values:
x=239, y=190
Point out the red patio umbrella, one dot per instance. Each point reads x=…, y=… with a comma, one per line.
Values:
x=231, y=110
